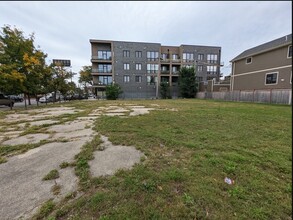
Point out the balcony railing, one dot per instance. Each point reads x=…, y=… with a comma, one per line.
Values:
x=101, y=71
x=165, y=71
x=188, y=60
x=152, y=71
x=101, y=58
x=175, y=72
x=176, y=60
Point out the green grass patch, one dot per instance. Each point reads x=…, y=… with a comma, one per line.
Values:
x=188, y=154
x=53, y=174
x=45, y=210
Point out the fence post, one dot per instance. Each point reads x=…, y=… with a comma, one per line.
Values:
x=270, y=96
x=253, y=95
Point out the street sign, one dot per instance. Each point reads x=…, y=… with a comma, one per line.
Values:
x=62, y=62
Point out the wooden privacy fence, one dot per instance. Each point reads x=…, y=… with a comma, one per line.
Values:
x=274, y=96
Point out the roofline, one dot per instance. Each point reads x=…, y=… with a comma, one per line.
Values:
x=110, y=41
x=260, y=52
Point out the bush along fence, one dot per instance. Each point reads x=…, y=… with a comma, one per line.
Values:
x=273, y=96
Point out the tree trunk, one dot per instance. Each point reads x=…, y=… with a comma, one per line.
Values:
x=25, y=105
x=29, y=99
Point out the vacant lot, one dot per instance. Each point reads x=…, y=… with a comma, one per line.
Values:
x=190, y=146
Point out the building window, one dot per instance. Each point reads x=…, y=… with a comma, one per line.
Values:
x=248, y=60
x=126, y=78
x=188, y=66
x=164, y=56
x=126, y=66
x=199, y=68
x=175, y=57
x=152, y=56
x=138, y=54
x=289, y=51
x=200, y=56
x=138, y=66
x=138, y=79
x=152, y=68
x=104, y=55
x=212, y=58
x=271, y=78
x=104, y=68
x=151, y=80
x=126, y=53
x=188, y=57
x=212, y=70
x=175, y=69
x=105, y=80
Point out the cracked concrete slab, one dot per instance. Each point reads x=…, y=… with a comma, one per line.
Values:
x=140, y=111
x=22, y=188
x=113, y=158
x=27, y=139
x=70, y=126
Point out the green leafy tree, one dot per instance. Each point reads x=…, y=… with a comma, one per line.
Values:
x=165, y=90
x=58, y=80
x=187, y=82
x=113, y=91
x=85, y=77
x=22, y=64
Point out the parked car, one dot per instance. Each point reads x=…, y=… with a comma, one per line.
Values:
x=16, y=98
x=4, y=100
x=46, y=98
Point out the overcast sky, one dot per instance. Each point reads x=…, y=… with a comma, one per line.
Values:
x=63, y=29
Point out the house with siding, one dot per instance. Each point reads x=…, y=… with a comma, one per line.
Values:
x=264, y=67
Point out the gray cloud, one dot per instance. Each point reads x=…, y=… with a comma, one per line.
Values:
x=63, y=29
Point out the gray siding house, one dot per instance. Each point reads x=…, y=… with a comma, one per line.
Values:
x=267, y=66
x=140, y=67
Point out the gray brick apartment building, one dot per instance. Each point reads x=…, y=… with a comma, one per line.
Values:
x=140, y=67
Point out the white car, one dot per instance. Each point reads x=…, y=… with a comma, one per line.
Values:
x=47, y=98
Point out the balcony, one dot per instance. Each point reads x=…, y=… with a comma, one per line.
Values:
x=176, y=61
x=188, y=61
x=165, y=71
x=101, y=71
x=165, y=60
x=175, y=72
x=101, y=59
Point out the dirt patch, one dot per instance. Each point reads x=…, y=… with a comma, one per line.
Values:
x=113, y=158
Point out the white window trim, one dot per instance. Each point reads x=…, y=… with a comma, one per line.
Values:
x=288, y=52
x=126, y=76
x=271, y=83
x=246, y=60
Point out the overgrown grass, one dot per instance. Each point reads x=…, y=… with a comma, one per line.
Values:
x=189, y=152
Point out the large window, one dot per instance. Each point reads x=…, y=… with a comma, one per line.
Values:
x=212, y=58
x=151, y=80
x=175, y=57
x=138, y=54
x=164, y=56
x=152, y=56
x=126, y=78
x=152, y=68
x=138, y=66
x=175, y=69
x=126, y=66
x=211, y=70
x=200, y=56
x=188, y=57
x=105, y=80
x=104, y=55
x=199, y=68
x=104, y=68
x=271, y=78
x=289, y=51
x=138, y=79
x=126, y=53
